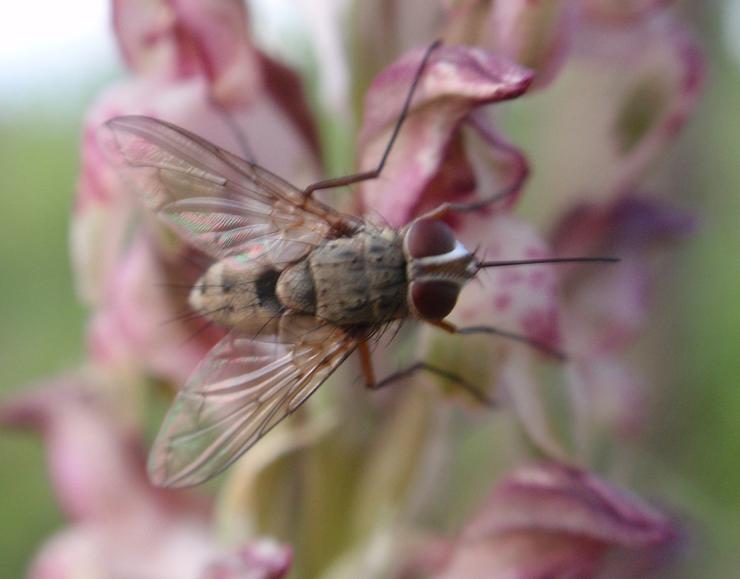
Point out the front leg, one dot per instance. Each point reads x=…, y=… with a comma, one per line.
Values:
x=491, y=330
x=375, y=173
x=370, y=381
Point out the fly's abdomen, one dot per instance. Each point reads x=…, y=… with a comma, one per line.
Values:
x=238, y=293
x=356, y=280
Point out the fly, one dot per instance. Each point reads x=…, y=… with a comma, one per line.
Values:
x=299, y=285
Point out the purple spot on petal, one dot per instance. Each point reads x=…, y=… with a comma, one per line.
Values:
x=502, y=302
x=535, y=253
x=539, y=279
x=510, y=277
x=542, y=326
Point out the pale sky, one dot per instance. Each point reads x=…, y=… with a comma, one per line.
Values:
x=50, y=48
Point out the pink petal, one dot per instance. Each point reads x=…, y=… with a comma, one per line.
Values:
x=608, y=307
x=136, y=323
x=549, y=520
x=521, y=299
x=611, y=303
x=676, y=70
x=95, y=466
x=259, y=560
x=185, y=37
x=70, y=554
x=555, y=498
x=219, y=33
x=456, y=81
x=631, y=91
x=616, y=397
x=146, y=34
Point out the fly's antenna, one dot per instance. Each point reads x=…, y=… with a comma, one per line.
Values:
x=486, y=264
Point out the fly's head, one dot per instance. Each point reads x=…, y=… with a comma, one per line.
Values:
x=437, y=267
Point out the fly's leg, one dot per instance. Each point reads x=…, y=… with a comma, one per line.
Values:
x=522, y=172
x=375, y=173
x=366, y=362
x=442, y=373
x=493, y=331
x=446, y=208
x=370, y=381
x=237, y=133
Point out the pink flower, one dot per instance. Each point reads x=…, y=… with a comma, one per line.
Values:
x=120, y=526
x=605, y=311
x=549, y=520
x=633, y=89
x=195, y=66
x=188, y=38
x=633, y=77
x=429, y=162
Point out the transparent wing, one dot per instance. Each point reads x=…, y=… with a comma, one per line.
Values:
x=211, y=198
x=240, y=391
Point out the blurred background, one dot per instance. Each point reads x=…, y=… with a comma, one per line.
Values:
x=52, y=63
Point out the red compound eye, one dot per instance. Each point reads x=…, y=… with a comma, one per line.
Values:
x=427, y=237
x=433, y=300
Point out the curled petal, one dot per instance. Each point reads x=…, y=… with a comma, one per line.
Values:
x=455, y=82
x=478, y=159
x=630, y=92
x=556, y=498
x=550, y=520
x=634, y=223
x=185, y=37
x=659, y=102
x=96, y=471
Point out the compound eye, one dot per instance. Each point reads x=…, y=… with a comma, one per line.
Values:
x=433, y=300
x=427, y=237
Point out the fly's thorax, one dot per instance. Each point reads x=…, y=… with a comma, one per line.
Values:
x=237, y=293
x=437, y=267
x=352, y=280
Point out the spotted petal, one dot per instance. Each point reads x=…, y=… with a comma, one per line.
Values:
x=549, y=520
x=456, y=81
